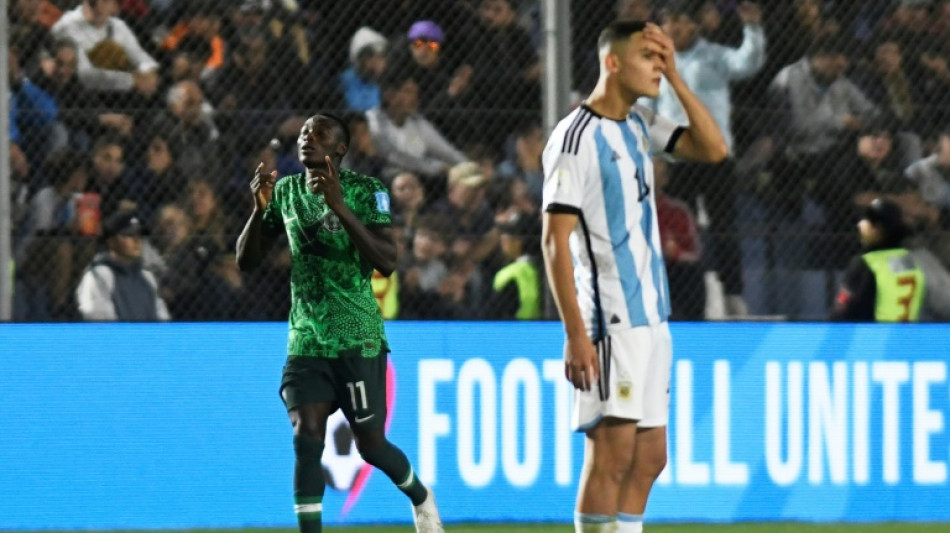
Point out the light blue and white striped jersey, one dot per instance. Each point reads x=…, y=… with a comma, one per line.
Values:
x=601, y=170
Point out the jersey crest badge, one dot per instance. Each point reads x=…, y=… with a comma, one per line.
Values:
x=332, y=223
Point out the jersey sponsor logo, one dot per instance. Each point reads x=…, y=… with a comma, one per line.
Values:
x=382, y=201
x=361, y=419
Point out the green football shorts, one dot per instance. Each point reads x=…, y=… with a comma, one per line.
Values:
x=353, y=383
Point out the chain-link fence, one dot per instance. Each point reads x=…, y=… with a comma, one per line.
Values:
x=165, y=108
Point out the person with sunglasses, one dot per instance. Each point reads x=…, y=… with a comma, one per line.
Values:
x=444, y=78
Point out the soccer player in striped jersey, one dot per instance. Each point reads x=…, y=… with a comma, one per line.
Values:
x=604, y=261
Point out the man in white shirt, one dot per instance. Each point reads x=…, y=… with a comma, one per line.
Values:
x=110, y=56
x=710, y=69
x=408, y=141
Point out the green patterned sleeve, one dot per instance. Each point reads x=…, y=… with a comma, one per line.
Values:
x=273, y=221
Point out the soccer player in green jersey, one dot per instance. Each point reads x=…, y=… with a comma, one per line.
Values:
x=338, y=225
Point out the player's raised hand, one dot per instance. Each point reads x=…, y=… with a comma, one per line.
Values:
x=262, y=186
x=329, y=184
x=658, y=42
x=581, y=366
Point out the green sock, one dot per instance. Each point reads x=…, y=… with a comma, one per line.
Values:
x=394, y=464
x=309, y=484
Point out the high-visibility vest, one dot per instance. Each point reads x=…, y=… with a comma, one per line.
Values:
x=900, y=285
x=525, y=276
x=386, y=291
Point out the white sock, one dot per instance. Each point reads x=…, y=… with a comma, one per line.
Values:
x=629, y=523
x=594, y=523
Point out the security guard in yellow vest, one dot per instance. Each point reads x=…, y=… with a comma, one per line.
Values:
x=883, y=284
x=516, y=288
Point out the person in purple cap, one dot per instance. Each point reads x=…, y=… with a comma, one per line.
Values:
x=443, y=81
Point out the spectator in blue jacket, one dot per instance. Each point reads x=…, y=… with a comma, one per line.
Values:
x=359, y=84
x=33, y=115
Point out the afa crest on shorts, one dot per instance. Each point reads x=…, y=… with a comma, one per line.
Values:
x=624, y=390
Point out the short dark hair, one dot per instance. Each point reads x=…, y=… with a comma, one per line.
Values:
x=355, y=117
x=619, y=30
x=683, y=8
x=63, y=42
x=60, y=165
x=107, y=139
x=195, y=46
x=829, y=45
x=394, y=78
x=343, y=129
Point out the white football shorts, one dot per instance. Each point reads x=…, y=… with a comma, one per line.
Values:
x=636, y=374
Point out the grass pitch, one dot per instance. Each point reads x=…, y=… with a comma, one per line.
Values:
x=771, y=527
x=784, y=527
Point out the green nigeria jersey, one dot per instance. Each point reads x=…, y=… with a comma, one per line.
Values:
x=333, y=310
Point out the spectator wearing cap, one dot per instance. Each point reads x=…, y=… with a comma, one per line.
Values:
x=883, y=283
x=516, y=287
x=116, y=286
x=359, y=84
x=466, y=206
x=476, y=237
x=444, y=79
x=406, y=138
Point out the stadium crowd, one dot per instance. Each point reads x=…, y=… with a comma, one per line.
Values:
x=141, y=121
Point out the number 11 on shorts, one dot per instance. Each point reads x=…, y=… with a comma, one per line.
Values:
x=362, y=387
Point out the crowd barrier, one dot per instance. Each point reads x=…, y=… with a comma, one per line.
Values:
x=147, y=426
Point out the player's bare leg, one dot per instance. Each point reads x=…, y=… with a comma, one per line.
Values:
x=608, y=455
x=310, y=427
x=376, y=450
x=649, y=459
